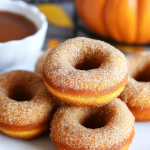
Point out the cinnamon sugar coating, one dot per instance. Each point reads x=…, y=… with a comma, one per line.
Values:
x=26, y=106
x=114, y=127
x=85, y=68
x=137, y=91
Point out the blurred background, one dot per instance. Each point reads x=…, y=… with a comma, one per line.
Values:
x=122, y=24
x=57, y=30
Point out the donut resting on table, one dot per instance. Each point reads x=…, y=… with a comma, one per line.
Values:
x=137, y=91
x=26, y=106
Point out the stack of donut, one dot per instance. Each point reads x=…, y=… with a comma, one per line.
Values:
x=88, y=75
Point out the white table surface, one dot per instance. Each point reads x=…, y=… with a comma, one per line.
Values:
x=141, y=139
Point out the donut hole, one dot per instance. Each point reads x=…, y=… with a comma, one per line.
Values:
x=143, y=75
x=94, y=121
x=20, y=94
x=88, y=63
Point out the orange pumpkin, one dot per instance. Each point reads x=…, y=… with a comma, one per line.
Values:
x=126, y=21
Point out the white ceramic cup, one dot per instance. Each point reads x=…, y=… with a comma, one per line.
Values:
x=16, y=52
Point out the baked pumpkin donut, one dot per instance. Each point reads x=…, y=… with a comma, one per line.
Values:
x=87, y=72
x=40, y=62
x=137, y=91
x=26, y=106
x=110, y=127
